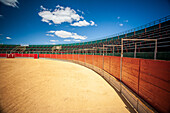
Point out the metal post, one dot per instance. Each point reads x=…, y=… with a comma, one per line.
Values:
x=67, y=54
x=135, y=51
x=121, y=65
x=85, y=56
x=113, y=50
x=61, y=55
x=93, y=57
x=72, y=54
x=106, y=51
x=55, y=55
x=103, y=59
x=155, y=49
x=78, y=55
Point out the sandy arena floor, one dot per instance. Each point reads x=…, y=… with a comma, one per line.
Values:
x=51, y=86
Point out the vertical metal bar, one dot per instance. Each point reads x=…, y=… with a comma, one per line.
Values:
x=78, y=55
x=121, y=65
x=135, y=51
x=106, y=51
x=155, y=49
x=29, y=53
x=113, y=50
x=121, y=61
x=67, y=54
x=93, y=57
x=103, y=59
x=61, y=55
x=85, y=55
x=73, y=54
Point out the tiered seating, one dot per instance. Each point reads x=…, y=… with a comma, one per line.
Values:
x=6, y=48
x=156, y=30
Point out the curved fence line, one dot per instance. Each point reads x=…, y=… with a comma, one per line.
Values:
x=147, y=78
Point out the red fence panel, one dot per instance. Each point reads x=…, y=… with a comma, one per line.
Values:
x=89, y=59
x=130, y=73
x=59, y=56
x=154, y=85
x=70, y=57
x=115, y=66
x=18, y=55
x=82, y=58
x=100, y=61
x=95, y=60
x=64, y=56
x=2, y=55
x=33, y=55
x=53, y=56
x=107, y=63
x=42, y=55
x=75, y=57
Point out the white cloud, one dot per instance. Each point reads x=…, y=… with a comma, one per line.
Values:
x=118, y=17
x=45, y=20
x=77, y=40
x=53, y=40
x=42, y=8
x=52, y=43
x=65, y=34
x=59, y=15
x=83, y=23
x=63, y=14
x=50, y=35
x=126, y=21
x=92, y=23
x=51, y=32
x=120, y=24
x=12, y=3
x=67, y=40
x=80, y=11
x=8, y=38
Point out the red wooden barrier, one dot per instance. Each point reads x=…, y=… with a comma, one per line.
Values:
x=154, y=84
x=107, y=60
x=89, y=59
x=100, y=61
x=130, y=73
x=115, y=66
x=82, y=58
x=41, y=55
x=70, y=57
x=2, y=55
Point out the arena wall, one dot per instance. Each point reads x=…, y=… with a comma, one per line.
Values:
x=142, y=79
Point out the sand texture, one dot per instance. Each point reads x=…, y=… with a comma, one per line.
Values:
x=52, y=86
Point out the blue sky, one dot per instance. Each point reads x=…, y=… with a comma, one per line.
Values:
x=71, y=21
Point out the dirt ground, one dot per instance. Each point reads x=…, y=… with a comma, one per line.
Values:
x=51, y=86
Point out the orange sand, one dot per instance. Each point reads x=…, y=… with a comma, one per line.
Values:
x=51, y=86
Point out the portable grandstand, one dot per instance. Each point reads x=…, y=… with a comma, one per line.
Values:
x=129, y=63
